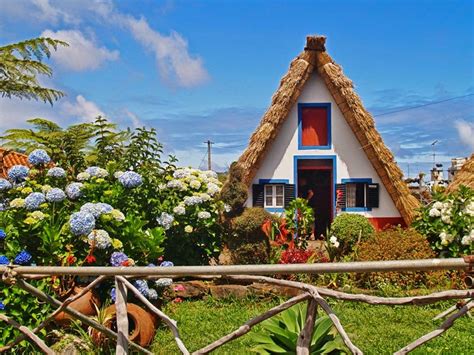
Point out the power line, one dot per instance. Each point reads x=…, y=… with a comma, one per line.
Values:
x=424, y=105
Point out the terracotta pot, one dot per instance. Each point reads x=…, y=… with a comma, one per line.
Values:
x=141, y=324
x=84, y=305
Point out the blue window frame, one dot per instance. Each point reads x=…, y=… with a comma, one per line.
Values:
x=364, y=181
x=301, y=106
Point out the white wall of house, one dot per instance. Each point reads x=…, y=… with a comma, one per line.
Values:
x=351, y=160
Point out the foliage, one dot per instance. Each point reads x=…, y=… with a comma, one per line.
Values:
x=350, y=229
x=280, y=334
x=299, y=219
x=234, y=192
x=397, y=244
x=250, y=254
x=448, y=223
x=21, y=63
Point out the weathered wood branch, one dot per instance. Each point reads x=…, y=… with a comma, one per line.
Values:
x=440, y=330
x=415, y=300
x=303, y=343
x=48, y=320
x=86, y=320
x=171, y=323
x=122, y=317
x=451, y=309
x=34, y=339
x=245, y=328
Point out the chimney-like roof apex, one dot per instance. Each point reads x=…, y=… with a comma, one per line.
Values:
x=315, y=43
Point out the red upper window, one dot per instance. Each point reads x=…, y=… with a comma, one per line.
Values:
x=314, y=126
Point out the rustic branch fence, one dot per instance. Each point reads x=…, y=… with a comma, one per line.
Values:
x=313, y=295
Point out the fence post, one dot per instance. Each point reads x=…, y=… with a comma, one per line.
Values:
x=121, y=317
x=304, y=340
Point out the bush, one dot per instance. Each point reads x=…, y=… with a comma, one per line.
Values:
x=250, y=254
x=396, y=244
x=448, y=223
x=247, y=228
x=349, y=229
x=234, y=192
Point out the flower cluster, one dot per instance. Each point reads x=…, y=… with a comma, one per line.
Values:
x=130, y=179
x=2, y=234
x=34, y=200
x=468, y=239
x=4, y=260
x=5, y=185
x=204, y=215
x=23, y=258
x=73, y=190
x=38, y=157
x=100, y=239
x=56, y=172
x=81, y=223
x=95, y=171
x=165, y=220
x=55, y=195
x=334, y=242
x=18, y=173
x=179, y=210
x=96, y=209
x=118, y=259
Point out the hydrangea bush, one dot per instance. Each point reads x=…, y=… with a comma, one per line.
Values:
x=448, y=223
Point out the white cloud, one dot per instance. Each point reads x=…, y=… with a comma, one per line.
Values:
x=82, y=54
x=133, y=118
x=82, y=109
x=52, y=14
x=466, y=133
x=171, y=53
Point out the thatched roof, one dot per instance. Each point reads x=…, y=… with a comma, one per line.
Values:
x=465, y=176
x=315, y=57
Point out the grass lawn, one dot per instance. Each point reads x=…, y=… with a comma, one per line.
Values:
x=374, y=329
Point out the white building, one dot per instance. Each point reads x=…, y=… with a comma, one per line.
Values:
x=316, y=135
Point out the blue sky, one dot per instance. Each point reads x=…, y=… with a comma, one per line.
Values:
x=207, y=69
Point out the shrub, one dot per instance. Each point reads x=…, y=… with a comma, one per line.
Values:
x=396, y=244
x=448, y=223
x=250, y=254
x=247, y=228
x=234, y=192
x=349, y=229
x=279, y=334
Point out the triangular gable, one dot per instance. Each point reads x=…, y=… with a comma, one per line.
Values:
x=359, y=119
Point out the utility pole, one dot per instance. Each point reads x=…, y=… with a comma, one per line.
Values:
x=209, y=161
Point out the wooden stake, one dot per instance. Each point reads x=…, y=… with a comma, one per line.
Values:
x=121, y=317
x=304, y=340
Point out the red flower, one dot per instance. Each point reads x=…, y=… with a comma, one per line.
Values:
x=71, y=259
x=90, y=259
x=178, y=300
x=295, y=256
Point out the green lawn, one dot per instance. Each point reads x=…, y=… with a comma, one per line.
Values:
x=374, y=329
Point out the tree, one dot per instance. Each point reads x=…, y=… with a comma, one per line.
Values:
x=21, y=63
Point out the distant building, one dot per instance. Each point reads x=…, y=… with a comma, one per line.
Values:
x=465, y=176
x=456, y=165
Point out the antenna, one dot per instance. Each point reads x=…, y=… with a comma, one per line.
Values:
x=434, y=152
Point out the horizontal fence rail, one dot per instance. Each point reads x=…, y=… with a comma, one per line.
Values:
x=365, y=266
x=314, y=297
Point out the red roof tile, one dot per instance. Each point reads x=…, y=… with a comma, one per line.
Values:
x=8, y=158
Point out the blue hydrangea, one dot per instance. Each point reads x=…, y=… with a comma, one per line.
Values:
x=55, y=195
x=81, y=223
x=130, y=179
x=4, y=260
x=166, y=220
x=3, y=206
x=164, y=282
x=97, y=172
x=142, y=286
x=96, y=209
x=73, y=190
x=22, y=258
x=166, y=264
x=34, y=200
x=118, y=258
x=2, y=306
x=5, y=185
x=56, y=172
x=2, y=234
x=113, y=294
x=18, y=173
x=38, y=157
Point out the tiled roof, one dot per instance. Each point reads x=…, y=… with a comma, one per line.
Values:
x=8, y=158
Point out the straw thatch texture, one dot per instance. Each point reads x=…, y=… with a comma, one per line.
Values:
x=465, y=176
x=360, y=121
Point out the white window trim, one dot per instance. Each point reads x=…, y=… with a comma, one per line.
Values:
x=273, y=195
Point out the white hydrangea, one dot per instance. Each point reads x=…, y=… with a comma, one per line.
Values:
x=212, y=189
x=192, y=200
x=204, y=197
x=176, y=184
x=446, y=238
x=195, y=184
x=434, y=212
x=469, y=209
x=446, y=218
x=468, y=239
x=179, y=210
x=210, y=174
x=438, y=205
x=204, y=215
x=334, y=242
x=83, y=176
x=227, y=208
x=100, y=239
x=182, y=173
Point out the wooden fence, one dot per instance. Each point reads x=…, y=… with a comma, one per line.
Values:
x=314, y=296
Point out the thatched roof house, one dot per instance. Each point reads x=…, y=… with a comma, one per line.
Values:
x=465, y=176
x=310, y=126
x=8, y=158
